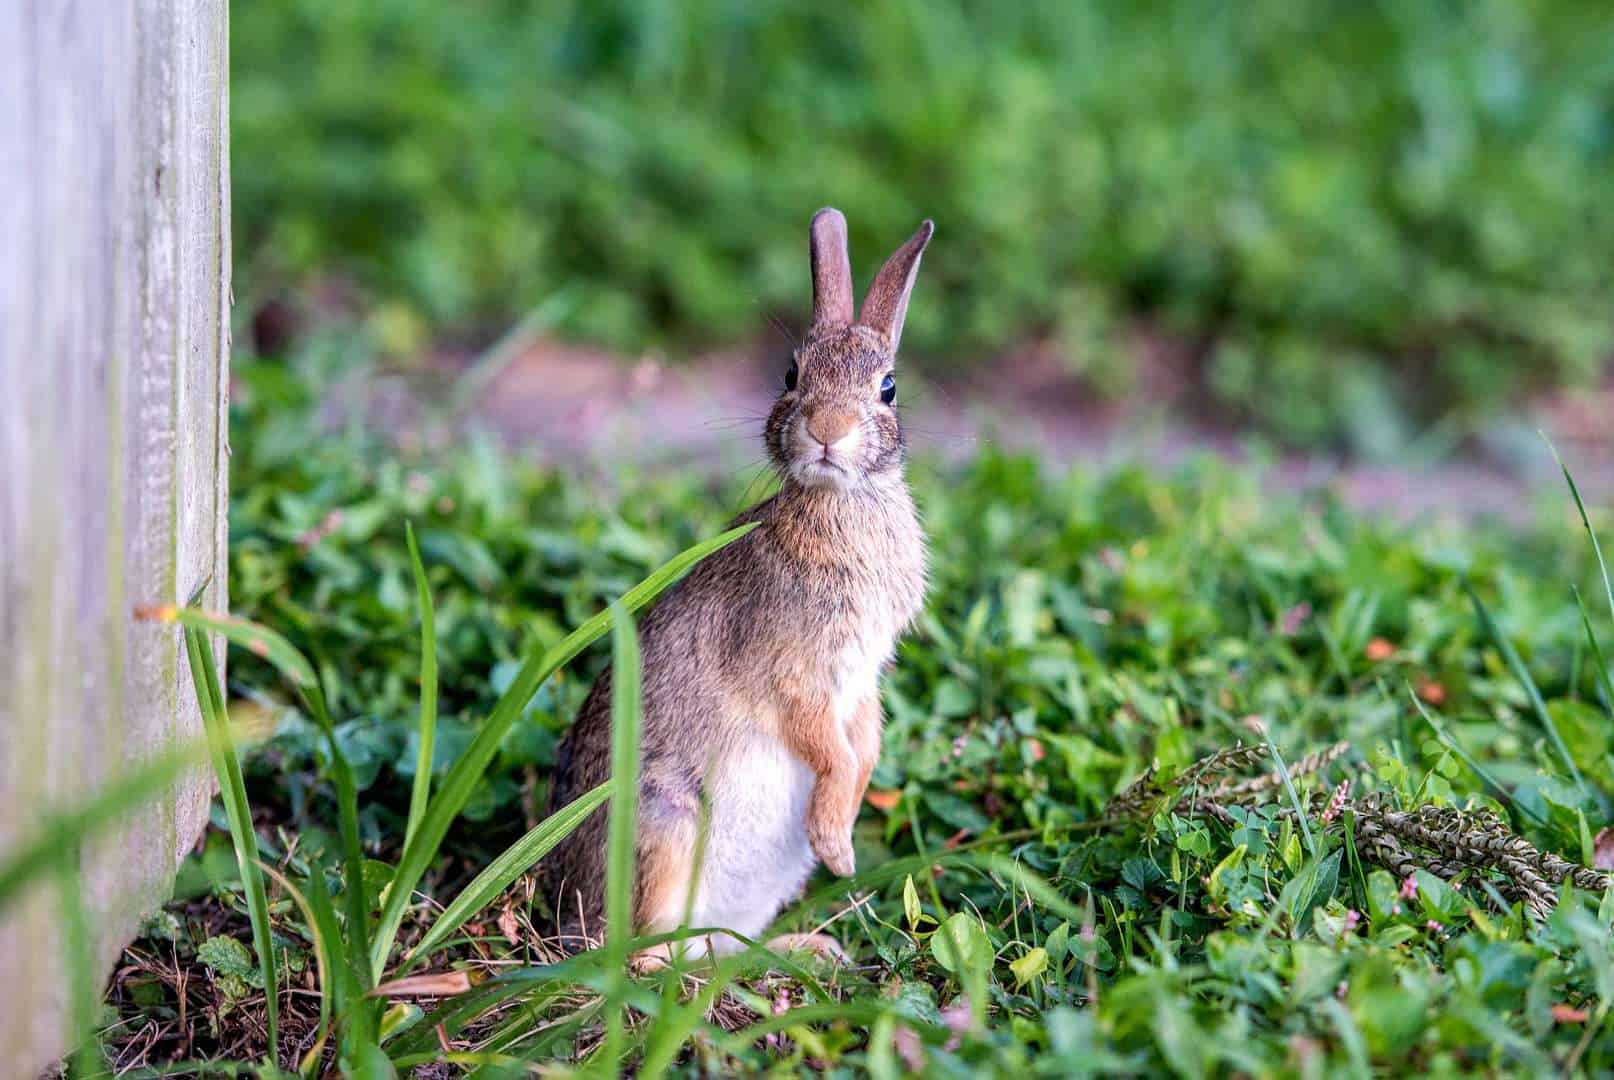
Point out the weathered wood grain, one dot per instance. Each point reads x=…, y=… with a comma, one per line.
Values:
x=114, y=349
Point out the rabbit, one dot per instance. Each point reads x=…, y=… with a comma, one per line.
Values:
x=761, y=668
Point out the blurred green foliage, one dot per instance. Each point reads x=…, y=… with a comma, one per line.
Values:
x=1349, y=213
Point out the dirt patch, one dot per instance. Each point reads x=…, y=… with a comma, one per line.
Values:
x=572, y=405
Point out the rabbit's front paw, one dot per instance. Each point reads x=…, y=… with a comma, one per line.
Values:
x=832, y=843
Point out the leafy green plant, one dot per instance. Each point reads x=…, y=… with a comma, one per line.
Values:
x=361, y=955
x=1352, y=215
x=1047, y=889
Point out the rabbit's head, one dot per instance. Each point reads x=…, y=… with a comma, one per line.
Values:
x=835, y=425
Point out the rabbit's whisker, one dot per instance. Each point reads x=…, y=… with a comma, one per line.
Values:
x=784, y=331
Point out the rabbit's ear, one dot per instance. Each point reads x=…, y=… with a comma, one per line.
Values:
x=886, y=305
x=832, y=273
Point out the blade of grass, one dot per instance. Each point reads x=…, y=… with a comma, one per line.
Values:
x=522, y=1023
x=910, y=801
x=258, y=640
x=965, y=854
x=421, y=790
x=1603, y=676
x=671, y=1030
x=355, y=893
x=348, y=1005
x=78, y=954
x=243, y=837
x=323, y=956
x=1503, y=795
x=34, y=859
x=1604, y=681
x=454, y=1015
x=462, y=779
x=857, y=1014
x=1034, y=885
x=588, y=970
x=1586, y=521
x=514, y=861
x=619, y=863
x=1522, y=674
x=1294, y=797
x=273, y=647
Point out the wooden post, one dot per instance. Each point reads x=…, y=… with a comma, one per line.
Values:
x=114, y=361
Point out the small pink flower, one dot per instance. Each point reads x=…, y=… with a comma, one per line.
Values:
x=957, y=1017
x=327, y=525
x=780, y=1006
x=1433, y=927
x=1294, y=619
x=1353, y=919
x=1409, y=888
x=958, y=746
x=1337, y=803
x=909, y=1048
x=1342, y=989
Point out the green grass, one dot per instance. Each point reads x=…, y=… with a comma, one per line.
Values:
x=1351, y=216
x=1011, y=917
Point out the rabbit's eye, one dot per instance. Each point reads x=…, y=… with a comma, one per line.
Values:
x=888, y=389
x=790, y=377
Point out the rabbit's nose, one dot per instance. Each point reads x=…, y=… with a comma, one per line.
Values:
x=830, y=426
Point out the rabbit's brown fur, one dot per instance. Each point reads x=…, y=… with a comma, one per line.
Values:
x=761, y=668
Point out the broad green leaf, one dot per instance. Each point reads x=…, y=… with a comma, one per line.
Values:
x=1231, y=861
x=1058, y=944
x=960, y=944
x=1029, y=966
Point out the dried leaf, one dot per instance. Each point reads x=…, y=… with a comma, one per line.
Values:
x=443, y=984
x=509, y=925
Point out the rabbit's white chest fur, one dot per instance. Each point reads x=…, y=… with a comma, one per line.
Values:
x=758, y=855
x=855, y=670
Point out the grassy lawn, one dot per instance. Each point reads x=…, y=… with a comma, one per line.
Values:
x=1177, y=776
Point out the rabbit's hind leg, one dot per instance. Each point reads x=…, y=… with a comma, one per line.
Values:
x=666, y=852
x=821, y=945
